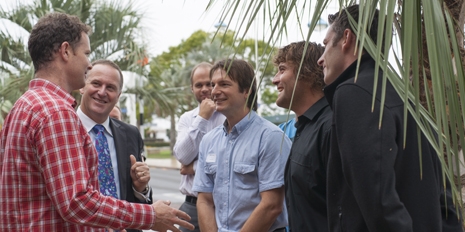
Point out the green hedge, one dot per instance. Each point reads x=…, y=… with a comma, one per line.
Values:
x=155, y=143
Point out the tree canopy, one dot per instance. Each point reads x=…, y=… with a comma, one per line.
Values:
x=115, y=33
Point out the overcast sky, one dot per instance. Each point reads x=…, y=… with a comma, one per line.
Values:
x=167, y=22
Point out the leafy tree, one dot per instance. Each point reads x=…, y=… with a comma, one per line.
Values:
x=169, y=78
x=114, y=36
x=426, y=68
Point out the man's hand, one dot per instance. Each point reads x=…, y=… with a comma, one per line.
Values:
x=167, y=217
x=140, y=174
x=187, y=169
x=207, y=108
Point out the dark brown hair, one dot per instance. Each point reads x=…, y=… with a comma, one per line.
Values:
x=50, y=32
x=241, y=72
x=339, y=21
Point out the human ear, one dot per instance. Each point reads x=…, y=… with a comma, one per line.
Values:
x=348, y=40
x=64, y=50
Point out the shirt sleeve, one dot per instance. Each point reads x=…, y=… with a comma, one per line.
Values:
x=273, y=154
x=190, y=133
x=204, y=180
x=68, y=161
x=143, y=196
x=368, y=153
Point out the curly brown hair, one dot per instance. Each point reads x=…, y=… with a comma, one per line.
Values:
x=50, y=32
x=310, y=72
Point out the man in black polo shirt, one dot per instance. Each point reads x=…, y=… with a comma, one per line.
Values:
x=305, y=173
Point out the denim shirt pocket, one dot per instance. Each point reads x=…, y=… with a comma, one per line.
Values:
x=245, y=176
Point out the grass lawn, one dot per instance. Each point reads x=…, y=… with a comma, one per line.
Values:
x=163, y=154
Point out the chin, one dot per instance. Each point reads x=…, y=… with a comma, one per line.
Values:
x=328, y=80
x=219, y=109
x=280, y=103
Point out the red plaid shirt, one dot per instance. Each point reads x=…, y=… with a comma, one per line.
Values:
x=49, y=178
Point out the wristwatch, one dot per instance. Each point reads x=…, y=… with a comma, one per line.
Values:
x=146, y=190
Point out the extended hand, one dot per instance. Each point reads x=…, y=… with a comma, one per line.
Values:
x=140, y=174
x=167, y=217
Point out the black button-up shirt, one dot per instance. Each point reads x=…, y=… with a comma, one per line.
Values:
x=305, y=174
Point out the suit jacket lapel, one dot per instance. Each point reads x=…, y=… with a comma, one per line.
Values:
x=124, y=163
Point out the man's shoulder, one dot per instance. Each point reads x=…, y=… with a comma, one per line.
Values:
x=189, y=113
x=214, y=132
x=42, y=102
x=263, y=124
x=262, y=128
x=119, y=125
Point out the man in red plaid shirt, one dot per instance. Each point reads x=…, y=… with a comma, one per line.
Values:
x=49, y=178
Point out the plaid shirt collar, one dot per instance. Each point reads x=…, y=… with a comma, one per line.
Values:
x=37, y=83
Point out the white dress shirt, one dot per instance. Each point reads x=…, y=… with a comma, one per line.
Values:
x=88, y=123
x=191, y=128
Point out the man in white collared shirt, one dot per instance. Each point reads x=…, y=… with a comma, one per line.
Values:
x=99, y=96
x=192, y=126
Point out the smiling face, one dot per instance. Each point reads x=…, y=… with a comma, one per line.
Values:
x=284, y=81
x=101, y=92
x=201, y=84
x=227, y=96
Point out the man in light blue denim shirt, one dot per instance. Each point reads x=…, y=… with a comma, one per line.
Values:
x=241, y=186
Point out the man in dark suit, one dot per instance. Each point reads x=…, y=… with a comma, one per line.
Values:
x=130, y=176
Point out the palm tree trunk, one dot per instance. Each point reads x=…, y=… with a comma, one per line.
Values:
x=172, y=131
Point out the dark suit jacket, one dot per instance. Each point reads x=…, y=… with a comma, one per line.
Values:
x=127, y=141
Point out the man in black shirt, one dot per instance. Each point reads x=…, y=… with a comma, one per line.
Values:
x=305, y=173
x=376, y=179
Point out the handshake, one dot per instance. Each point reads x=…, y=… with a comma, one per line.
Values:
x=166, y=218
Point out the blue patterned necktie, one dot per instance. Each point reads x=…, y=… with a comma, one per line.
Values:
x=106, y=177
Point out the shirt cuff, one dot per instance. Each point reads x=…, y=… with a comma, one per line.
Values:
x=200, y=123
x=143, y=196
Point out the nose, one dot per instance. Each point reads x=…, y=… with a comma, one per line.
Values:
x=89, y=64
x=101, y=91
x=215, y=91
x=276, y=79
x=206, y=88
x=320, y=61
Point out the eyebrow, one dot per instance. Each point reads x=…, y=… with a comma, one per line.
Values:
x=221, y=81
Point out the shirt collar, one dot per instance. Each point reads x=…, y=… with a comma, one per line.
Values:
x=314, y=110
x=54, y=88
x=241, y=125
x=349, y=72
x=89, y=123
